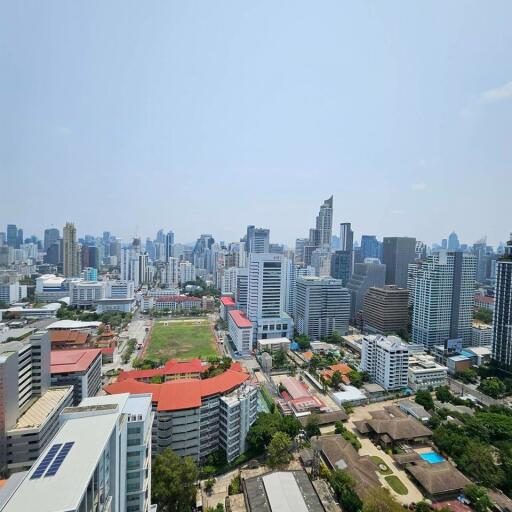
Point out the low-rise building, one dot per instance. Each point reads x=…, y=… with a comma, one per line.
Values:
x=12, y=293
x=415, y=410
x=273, y=344
x=481, y=335
x=50, y=288
x=172, y=303
x=85, y=294
x=227, y=304
x=172, y=370
x=78, y=368
x=425, y=373
x=241, y=331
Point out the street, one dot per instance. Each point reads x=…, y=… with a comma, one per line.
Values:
x=458, y=388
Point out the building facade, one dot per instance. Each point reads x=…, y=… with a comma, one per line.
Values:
x=386, y=310
x=397, y=253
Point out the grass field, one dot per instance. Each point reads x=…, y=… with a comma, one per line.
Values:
x=181, y=340
x=395, y=484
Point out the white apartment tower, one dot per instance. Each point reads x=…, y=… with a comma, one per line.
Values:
x=386, y=359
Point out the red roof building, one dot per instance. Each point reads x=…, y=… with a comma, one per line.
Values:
x=66, y=361
x=227, y=301
x=227, y=304
x=173, y=369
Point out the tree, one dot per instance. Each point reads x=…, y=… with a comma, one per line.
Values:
x=443, y=394
x=336, y=379
x=423, y=506
x=218, y=508
x=174, y=482
x=266, y=425
x=208, y=485
x=424, y=398
x=492, y=387
x=303, y=341
x=468, y=376
x=335, y=338
x=356, y=378
x=339, y=428
x=483, y=315
x=379, y=499
x=279, y=449
x=312, y=428
x=478, y=497
x=343, y=486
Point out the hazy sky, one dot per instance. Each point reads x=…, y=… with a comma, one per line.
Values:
x=207, y=116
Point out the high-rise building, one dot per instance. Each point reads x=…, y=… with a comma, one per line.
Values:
x=453, y=242
x=502, y=322
x=370, y=273
x=169, y=243
x=370, y=247
x=322, y=307
x=257, y=240
x=3, y=238
x=12, y=236
x=386, y=360
x=321, y=261
x=386, y=310
x=51, y=236
x=71, y=251
x=346, y=237
x=99, y=460
x=324, y=223
x=341, y=266
x=267, y=283
x=242, y=289
x=397, y=253
x=443, y=290
x=89, y=255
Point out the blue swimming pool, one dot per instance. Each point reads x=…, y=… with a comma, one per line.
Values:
x=432, y=457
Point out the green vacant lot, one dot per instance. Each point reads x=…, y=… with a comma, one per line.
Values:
x=181, y=340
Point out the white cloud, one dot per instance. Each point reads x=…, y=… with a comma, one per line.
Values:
x=502, y=93
x=418, y=186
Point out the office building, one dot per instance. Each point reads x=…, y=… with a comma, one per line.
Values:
x=502, y=323
x=300, y=244
x=257, y=240
x=365, y=275
x=51, y=236
x=443, y=299
x=12, y=293
x=322, y=307
x=50, y=288
x=386, y=359
x=267, y=292
x=71, y=251
x=99, y=460
x=370, y=247
x=324, y=224
x=341, y=266
x=386, y=310
x=29, y=416
x=453, y=242
x=321, y=261
x=169, y=244
x=78, y=368
x=346, y=237
x=397, y=253
x=240, y=330
x=12, y=236
x=242, y=289
x=85, y=294
x=191, y=415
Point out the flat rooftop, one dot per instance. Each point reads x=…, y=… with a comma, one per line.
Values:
x=42, y=408
x=64, y=490
x=15, y=335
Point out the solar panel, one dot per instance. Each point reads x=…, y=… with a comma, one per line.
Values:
x=47, y=459
x=59, y=459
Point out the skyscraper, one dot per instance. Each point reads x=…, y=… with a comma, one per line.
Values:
x=365, y=275
x=397, y=253
x=51, y=236
x=341, y=266
x=169, y=242
x=12, y=235
x=370, y=247
x=257, y=240
x=324, y=223
x=346, y=237
x=502, y=323
x=453, y=242
x=443, y=290
x=71, y=251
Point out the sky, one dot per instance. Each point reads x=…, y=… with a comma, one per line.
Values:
x=206, y=116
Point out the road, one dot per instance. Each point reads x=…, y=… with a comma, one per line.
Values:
x=458, y=388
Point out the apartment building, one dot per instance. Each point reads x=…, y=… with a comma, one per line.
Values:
x=386, y=359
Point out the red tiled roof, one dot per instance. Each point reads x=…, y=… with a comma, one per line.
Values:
x=65, y=361
x=227, y=301
x=484, y=299
x=172, y=367
x=177, y=298
x=239, y=318
x=107, y=350
x=77, y=337
x=181, y=394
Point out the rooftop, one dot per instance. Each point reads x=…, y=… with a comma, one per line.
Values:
x=42, y=408
x=239, y=318
x=75, y=337
x=64, y=490
x=176, y=298
x=227, y=301
x=438, y=478
x=65, y=361
x=73, y=324
x=172, y=367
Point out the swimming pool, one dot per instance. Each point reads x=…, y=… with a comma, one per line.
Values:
x=432, y=457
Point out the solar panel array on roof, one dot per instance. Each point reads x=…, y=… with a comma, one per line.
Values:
x=59, y=459
x=38, y=473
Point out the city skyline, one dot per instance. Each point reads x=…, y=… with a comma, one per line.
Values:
x=265, y=103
